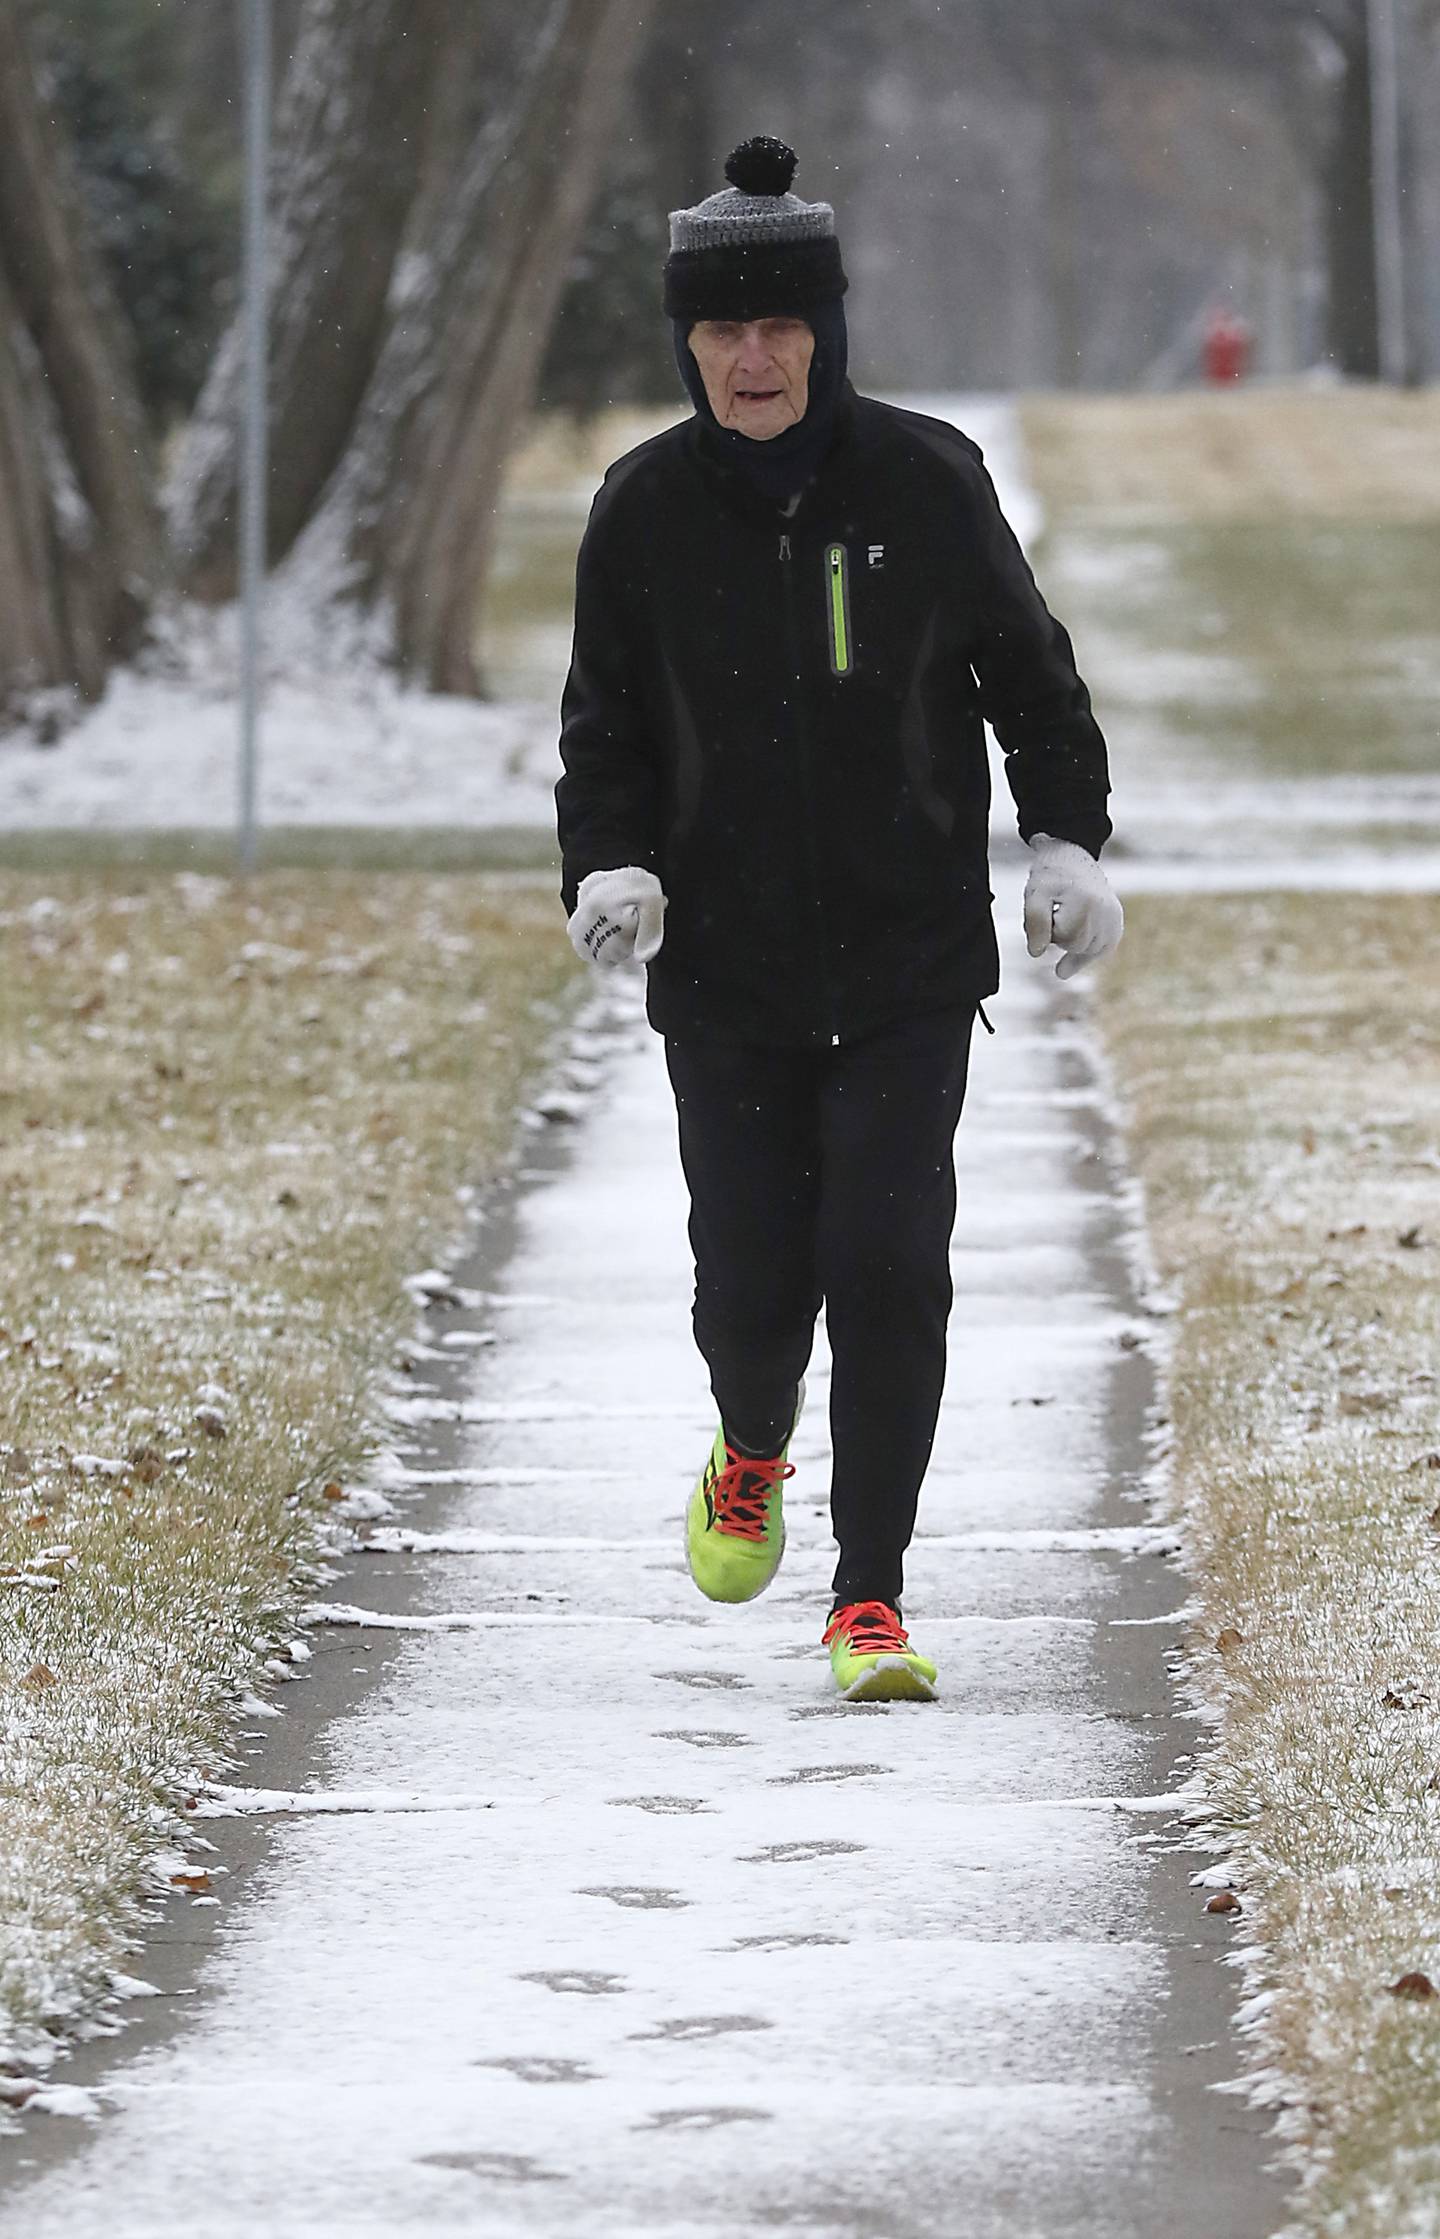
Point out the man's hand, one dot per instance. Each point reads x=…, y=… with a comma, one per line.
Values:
x=618, y=914
x=1069, y=901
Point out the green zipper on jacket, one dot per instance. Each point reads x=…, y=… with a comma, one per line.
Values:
x=837, y=609
x=796, y=671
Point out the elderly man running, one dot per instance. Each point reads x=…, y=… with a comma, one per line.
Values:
x=794, y=613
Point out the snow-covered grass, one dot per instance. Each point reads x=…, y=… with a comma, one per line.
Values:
x=1278, y=1061
x=1248, y=582
x=343, y=740
x=1356, y=453
x=233, y=1118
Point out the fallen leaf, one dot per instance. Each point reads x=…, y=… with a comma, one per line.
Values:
x=332, y=1491
x=1413, y=1985
x=39, y=1675
x=1228, y=1638
x=195, y=1883
x=1409, y=1237
x=1224, y=1900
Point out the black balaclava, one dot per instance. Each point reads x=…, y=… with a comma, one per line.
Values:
x=755, y=250
x=784, y=463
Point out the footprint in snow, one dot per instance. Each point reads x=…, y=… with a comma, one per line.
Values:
x=578, y=1980
x=809, y=1775
x=692, y=2028
x=674, y=1804
x=796, y=1854
x=702, y=2118
x=707, y=1679
x=785, y=1940
x=705, y=1737
x=534, y=2068
x=642, y=1899
x=511, y=2168
x=842, y=1709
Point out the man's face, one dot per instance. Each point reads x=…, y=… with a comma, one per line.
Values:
x=756, y=371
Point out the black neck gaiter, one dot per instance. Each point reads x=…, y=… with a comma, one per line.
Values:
x=783, y=464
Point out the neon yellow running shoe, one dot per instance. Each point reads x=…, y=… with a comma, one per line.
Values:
x=734, y=1522
x=871, y=1656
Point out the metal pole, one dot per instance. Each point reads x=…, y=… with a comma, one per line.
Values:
x=1387, y=189
x=254, y=450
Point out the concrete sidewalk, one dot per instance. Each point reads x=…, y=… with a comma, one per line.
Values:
x=599, y=1913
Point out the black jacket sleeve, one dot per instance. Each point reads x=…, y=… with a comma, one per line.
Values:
x=1031, y=695
x=606, y=802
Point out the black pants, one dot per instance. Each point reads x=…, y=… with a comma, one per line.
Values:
x=828, y=1175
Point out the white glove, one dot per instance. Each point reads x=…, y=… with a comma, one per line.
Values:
x=1069, y=901
x=618, y=914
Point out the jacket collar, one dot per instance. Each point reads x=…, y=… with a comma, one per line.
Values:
x=734, y=488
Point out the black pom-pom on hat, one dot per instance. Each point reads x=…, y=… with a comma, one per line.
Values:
x=763, y=165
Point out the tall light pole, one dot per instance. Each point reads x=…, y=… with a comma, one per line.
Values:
x=1387, y=189
x=254, y=449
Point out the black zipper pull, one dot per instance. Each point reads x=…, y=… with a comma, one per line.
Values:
x=784, y=547
x=980, y=1007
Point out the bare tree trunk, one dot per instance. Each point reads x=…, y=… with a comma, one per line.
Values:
x=81, y=527
x=46, y=539
x=410, y=511
x=1350, y=220
x=434, y=164
x=351, y=140
x=440, y=536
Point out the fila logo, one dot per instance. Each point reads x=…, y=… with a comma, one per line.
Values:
x=877, y=555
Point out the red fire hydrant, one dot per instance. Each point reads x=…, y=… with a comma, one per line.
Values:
x=1227, y=346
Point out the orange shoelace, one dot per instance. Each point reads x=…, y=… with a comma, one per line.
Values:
x=873, y=1628
x=738, y=1496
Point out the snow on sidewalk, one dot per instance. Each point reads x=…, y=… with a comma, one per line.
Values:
x=605, y=1915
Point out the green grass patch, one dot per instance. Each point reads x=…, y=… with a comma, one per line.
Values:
x=1280, y=648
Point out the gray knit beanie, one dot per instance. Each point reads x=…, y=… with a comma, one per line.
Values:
x=754, y=250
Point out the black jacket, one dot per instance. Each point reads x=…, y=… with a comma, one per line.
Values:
x=783, y=718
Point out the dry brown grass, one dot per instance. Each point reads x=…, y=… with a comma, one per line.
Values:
x=559, y=450
x=1234, y=454
x=1258, y=454
x=1279, y=1060
x=231, y=1121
